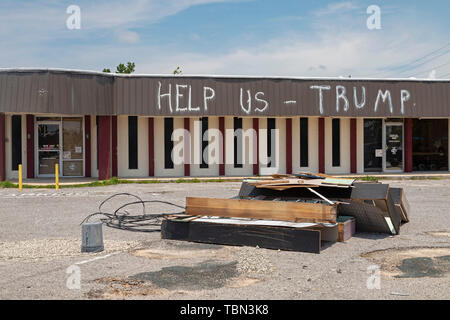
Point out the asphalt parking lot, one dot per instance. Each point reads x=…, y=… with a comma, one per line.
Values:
x=40, y=258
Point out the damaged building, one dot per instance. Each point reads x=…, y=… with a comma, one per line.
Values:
x=102, y=125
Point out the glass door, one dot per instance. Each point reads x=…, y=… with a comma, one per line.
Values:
x=48, y=141
x=73, y=145
x=393, y=147
x=373, y=145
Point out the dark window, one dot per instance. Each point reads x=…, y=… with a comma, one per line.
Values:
x=336, y=140
x=204, y=142
x=373, y=145
x=237, y=123
x=16, y=143
x=168, y=143
x=270, y=141
x=430, y=144
x=132, y=142
x=303, y=142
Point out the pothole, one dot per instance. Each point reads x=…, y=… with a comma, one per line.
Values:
x=415, y=262
x=203, y=276
x=119, y=288
x=207, y=275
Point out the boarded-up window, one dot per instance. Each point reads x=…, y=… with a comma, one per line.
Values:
x=270, y=141
x=304, y=142
x=168, y=143
x=132, y=142
x=336, y=142
x=204, y=142
x=237, y=125
x=16, y=141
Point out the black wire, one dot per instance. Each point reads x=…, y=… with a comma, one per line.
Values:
x=122, y=219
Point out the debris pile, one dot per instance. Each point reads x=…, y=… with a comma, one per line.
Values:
x=296, y=212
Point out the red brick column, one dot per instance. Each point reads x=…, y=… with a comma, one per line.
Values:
x=353, y=146
x=322, y=145
x=408, y=145
x=151, y=147
x=256, y=128
x=115, y=170
x=222, y=144
x=104, y=146
x=30, y=146
x=2, y=147
x=187, y=148
x=288, y=145
x=87, y=146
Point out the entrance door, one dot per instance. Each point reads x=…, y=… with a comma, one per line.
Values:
x=373, y=145
x=49, y=141
x=393, y=147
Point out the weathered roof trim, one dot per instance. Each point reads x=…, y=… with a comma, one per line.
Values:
x=98, y=73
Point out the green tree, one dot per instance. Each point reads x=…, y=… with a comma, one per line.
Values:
x=121, y=68
x=129, y=68
x=177, y=71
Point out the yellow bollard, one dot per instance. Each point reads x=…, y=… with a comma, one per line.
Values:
x=20, y=177
x=56, y=176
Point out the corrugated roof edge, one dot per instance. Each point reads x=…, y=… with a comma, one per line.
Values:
x=98, y=73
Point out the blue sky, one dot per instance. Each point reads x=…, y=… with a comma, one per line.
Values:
x=234, y=37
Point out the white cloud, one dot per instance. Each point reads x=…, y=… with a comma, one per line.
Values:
x=320, y=54
x=337, y=7
x=128, y=36
x=330, y=47
x=432, y=74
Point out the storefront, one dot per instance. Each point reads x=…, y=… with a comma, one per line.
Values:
x=101, y=125
x=59, y=140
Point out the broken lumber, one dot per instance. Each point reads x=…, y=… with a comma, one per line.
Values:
x=346, y=228
x=262, y=209
x=400, y=202
x=241, y=234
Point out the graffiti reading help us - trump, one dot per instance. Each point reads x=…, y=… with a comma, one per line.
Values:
x=178, y=98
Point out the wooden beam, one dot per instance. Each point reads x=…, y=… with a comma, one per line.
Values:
x=294, y=239
x=261, y=209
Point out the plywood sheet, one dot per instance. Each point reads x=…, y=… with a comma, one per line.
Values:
x=261, y=209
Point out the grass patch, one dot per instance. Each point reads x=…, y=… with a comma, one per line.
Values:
x=425, y=178
x=369, y=178
x=7, y=184
x=111, y=182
